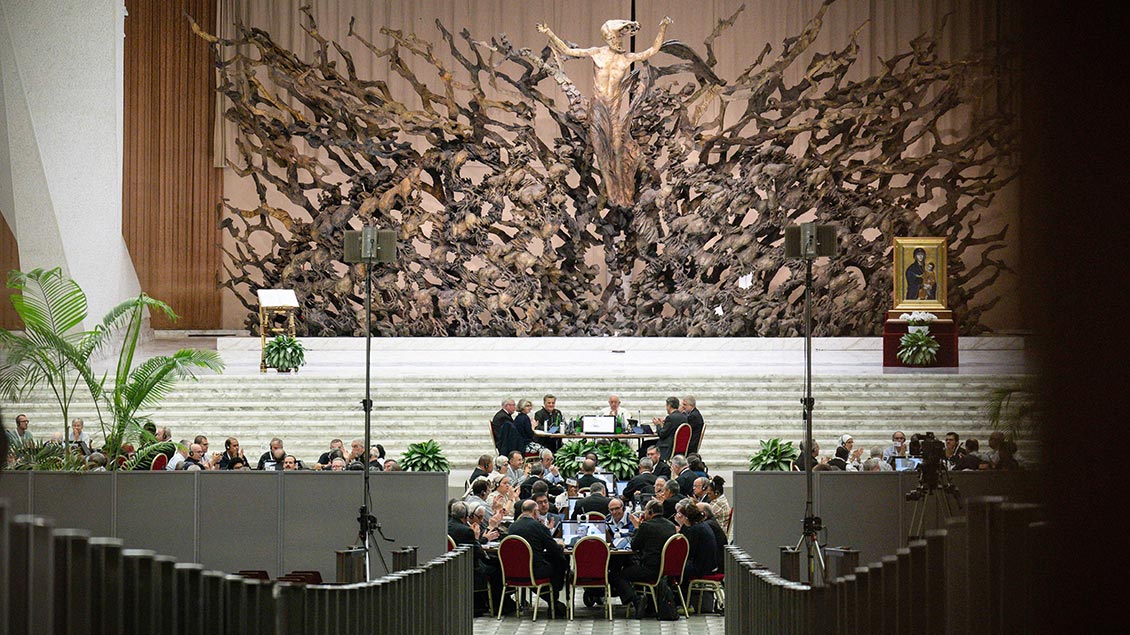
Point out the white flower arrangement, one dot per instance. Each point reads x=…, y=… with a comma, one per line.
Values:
x=918, y=318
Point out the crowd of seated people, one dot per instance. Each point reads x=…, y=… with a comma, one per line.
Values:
x=197, y=454
x=904, y=452
x=535, y=498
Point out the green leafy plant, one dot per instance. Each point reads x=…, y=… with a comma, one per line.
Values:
x=424, y=457
x=1013, y=409
x=618, y=458
x=143, y=458
x=568, y=458
x=285, y=353
x=53, y=349
x=46, y=456
x=918, y=349
x=775, y=456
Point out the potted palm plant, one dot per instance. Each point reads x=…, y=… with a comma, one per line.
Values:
x=53, y=349
x=284, y=354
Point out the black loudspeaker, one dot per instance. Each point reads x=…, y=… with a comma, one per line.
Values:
x=810, y=240
x=370, y=245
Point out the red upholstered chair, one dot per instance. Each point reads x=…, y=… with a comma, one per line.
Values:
x=253, y=574
x=592, y=516
x=590, y=570
x=682, y=439
x=710, y=582
x=517, y=560
x=159, y=462
x=672, y=561
x=450, y=544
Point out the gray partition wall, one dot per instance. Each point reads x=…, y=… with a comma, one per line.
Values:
x=868, y=512
x=275, y=521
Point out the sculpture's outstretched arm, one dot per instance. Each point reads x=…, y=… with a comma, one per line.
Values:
x=659, y=38
x=562, y=47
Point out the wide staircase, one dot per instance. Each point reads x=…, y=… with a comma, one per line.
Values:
x=307, y=410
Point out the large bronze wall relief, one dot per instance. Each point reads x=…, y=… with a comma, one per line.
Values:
x=512, y=226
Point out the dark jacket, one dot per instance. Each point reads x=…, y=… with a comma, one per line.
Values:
x=587, y=480
x=548, y=555
x=662, y=469
x=649, y=539
x=686, y=482
x=694, y=417
x=703, y=556
x=502, y=437
x=640, y=483
x=666, y=441
x=669, y=506
x=462, y=534
x=591, y=503
x=524, y=428
x=475, y=475
x=719, y=539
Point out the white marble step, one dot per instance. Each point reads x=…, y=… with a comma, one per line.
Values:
x=308, y=410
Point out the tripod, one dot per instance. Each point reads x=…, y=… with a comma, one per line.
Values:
x=368, y=246
x=812, y=524
x=931, y=477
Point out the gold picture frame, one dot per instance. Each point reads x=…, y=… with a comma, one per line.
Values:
x=920, y=284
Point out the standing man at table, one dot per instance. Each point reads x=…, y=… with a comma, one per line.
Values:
x=549, y=559
x=652, y=532
x=689, y=407
x=667, y=427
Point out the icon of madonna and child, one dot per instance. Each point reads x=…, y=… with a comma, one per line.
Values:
x=921, y=278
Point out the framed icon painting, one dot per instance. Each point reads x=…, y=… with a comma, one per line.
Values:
x=920, y=273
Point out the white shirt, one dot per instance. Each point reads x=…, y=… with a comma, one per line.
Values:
x=177, y=459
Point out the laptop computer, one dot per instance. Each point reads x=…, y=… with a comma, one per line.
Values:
x=574, y=530
x=572, y=504
x=609, y=482
x=642, y=429
x=598, y=424
x=906, y=463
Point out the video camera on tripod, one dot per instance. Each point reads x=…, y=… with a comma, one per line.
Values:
x=927, y=447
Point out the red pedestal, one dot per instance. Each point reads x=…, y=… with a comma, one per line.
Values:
x=945, y=331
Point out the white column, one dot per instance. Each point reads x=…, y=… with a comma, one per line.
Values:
x=61, y=112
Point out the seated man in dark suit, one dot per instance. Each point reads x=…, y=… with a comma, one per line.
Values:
x=642, y=482
x=537, y=475
x=596, y=501
x=659, y=467
x=670, y=497
x=486, y=462
x=683, y=475
x=652, y=532
x=668, y=426
x=694, y=418
x=588, y=474
x=549, y=559
x=486, y=571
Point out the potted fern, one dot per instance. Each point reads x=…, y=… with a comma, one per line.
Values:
x=918, y=349
x=775, y=456
x=424, y=457
x=284, y=354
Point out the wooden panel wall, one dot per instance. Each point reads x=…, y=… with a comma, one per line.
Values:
x=9, y=259
x=170, y=189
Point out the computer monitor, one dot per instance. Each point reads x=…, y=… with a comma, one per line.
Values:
x=598, y=424
x=574, y=530
x=907, y=463
x=621, y=486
